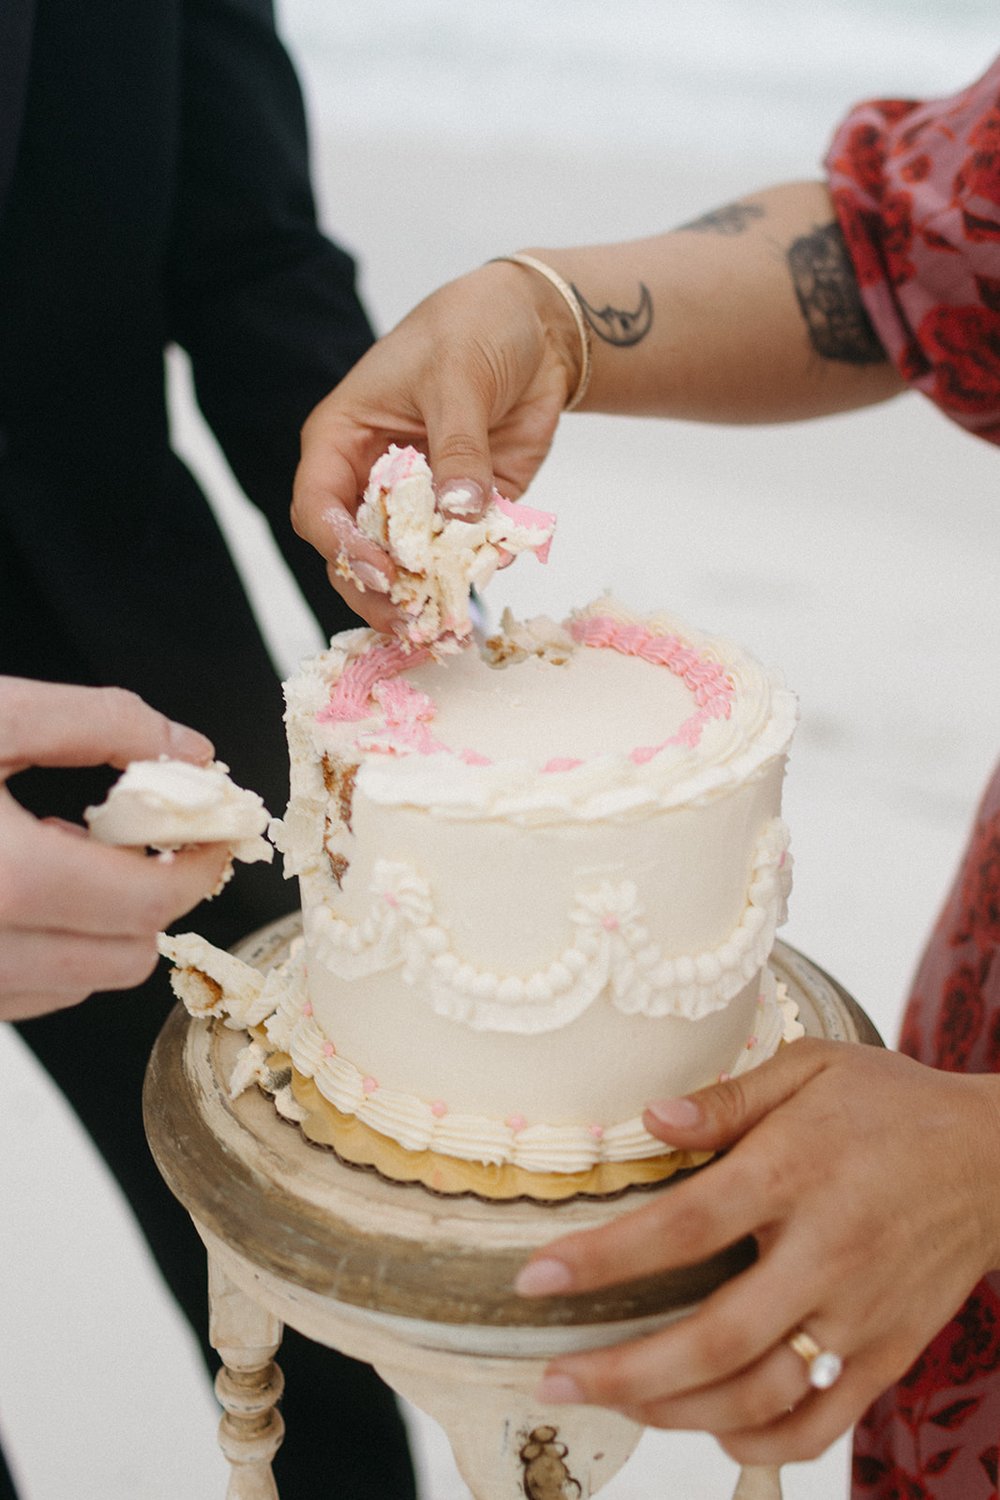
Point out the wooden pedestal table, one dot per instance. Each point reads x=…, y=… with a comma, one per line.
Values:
x=419, y=1286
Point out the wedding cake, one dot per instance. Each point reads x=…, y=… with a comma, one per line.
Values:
x=540, y=882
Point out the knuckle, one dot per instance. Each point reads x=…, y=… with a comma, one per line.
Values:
x=137, y=964
x=729, y=1104
x=760, y=1401
x=807, y=1444
x=123, y=965
x=154, y=909
x=123, y=706
x=457, y=448
x=689, y=1232
x=778, y=1176
x=802, y=1437
x=121, y=700
x=610, y=1381
x=725, y=1346
x=17, y=702
x=748, y=1449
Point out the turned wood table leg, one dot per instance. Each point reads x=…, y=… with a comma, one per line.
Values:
x=503, y=1443
x=248, y=1386
x=758, y=1484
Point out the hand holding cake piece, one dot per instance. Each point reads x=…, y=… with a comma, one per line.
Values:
x=77, y=916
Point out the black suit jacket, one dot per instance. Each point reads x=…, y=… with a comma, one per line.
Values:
x=154, y=187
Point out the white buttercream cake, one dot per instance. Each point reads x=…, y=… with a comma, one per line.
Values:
x=540, y=885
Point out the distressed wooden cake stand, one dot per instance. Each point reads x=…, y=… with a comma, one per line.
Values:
x=417, y=1285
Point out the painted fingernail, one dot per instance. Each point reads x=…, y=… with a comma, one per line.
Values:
x=369, y=576
x=188, y=744
x=341, y=524
x=462, y=498
x=679, y=1113
x=559, y=1390
x=543, y=1278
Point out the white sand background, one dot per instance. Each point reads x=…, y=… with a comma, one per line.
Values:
x=859, y=554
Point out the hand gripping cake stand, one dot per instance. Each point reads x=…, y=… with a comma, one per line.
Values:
x=417, y=1285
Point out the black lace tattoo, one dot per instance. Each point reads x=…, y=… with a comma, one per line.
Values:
x=827, y=290
x=617, y=326
x=732, y=218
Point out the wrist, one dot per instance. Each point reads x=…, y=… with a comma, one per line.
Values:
x=561, y=317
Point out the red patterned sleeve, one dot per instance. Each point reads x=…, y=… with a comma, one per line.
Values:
x=916, y=187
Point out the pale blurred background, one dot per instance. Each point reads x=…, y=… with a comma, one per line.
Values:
x=858, y=554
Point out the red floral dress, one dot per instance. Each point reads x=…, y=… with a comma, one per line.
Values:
x=916, y=188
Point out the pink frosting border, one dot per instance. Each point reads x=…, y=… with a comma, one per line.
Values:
x=375, y=677
x=712, y=689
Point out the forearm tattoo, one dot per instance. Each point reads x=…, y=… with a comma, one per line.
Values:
x=731, y=218
x=829, y=299
x=617, y=325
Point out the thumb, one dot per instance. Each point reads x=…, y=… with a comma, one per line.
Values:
x=458, y=447
x=718, y=1116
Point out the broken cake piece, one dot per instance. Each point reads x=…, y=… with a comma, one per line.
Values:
x=440, y=558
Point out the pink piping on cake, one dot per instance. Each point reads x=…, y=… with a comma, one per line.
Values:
x=407, y=713
x=375, y=675
x=473, y=758
x=706, y=679
x=351, y=694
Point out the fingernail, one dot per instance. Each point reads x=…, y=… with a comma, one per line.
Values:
x=559, y=1390
x=543, y=1278
x=341, y=524
x=369, y=576
x=680, y=1113
x=462, y=498
x=188, y=744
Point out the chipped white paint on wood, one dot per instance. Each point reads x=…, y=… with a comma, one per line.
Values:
x=249, y=1386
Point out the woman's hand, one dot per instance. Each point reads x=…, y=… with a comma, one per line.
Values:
x=870, y=1184
x=476, y=376
x=75, y=915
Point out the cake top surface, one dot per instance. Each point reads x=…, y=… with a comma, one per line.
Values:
x=609, y=714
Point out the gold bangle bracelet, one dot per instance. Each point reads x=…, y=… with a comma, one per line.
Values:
x=572, y=301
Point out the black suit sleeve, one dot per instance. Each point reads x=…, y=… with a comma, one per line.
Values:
x=264, y=304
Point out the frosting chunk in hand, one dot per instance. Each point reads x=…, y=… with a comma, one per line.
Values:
x=165, y=804
x=440, y=558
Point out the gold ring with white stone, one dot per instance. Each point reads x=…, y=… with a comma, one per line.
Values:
x=823, y=1365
